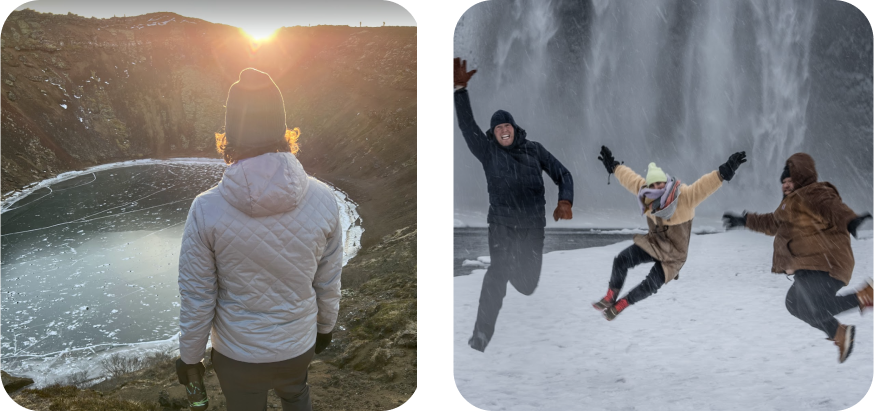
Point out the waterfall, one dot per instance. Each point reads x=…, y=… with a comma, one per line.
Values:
x=678, y=82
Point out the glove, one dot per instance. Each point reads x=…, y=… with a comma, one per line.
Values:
x=733, y=221
x=606, y=157
x=322, y=342
x=563, y=211
x=182, y=370
x=856, y=222
x=726, y=170
x=460, y=74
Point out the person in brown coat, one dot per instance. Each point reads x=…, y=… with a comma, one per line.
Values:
x=669, y=207
x=811, y=230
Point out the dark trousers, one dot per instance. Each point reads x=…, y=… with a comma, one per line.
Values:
x=812, y=299
x=628, y=258
x=516, y=254
x=245, y=385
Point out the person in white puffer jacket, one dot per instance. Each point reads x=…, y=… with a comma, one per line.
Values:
x=261, y=258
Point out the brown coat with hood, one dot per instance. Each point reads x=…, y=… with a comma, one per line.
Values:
x=668, y=239
x=809, y=226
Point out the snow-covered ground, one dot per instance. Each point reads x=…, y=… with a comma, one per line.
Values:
x=719, y=338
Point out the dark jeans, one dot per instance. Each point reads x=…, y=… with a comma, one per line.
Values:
x=516, y=254
x=245, y=385
x=629, y=258
x=812, y=299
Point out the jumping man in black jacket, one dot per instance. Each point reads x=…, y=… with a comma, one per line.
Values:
x=514, y=169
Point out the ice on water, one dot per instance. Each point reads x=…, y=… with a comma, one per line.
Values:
x=89, y=263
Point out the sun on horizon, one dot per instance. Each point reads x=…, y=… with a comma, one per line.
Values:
x=259, y=33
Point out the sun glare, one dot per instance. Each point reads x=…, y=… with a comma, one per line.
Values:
x=259, y=33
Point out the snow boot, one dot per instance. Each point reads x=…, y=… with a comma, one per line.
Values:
x=478, y=341
x=844, y=340
x=866, y=295
x=614, y=310
x=607, y=301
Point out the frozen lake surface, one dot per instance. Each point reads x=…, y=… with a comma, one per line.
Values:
x=90, y=263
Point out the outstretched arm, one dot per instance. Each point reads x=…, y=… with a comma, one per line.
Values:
x=763, y=223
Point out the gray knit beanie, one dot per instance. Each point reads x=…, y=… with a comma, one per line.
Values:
x=255, y=114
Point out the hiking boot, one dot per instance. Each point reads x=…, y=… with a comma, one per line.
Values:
x=844, y=340
x=478, y=341
x=614, y=310
x=607, y=301
x=866, y=295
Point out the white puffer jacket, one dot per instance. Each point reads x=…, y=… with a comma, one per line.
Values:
x=260, y=263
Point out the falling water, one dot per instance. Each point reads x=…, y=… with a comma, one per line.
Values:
x=681, y=83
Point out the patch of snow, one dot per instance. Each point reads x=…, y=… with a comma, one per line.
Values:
x=351, y=225
x=64, y=106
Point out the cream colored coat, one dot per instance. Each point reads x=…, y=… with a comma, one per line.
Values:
x=668, y=239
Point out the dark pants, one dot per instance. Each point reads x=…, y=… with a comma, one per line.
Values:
x=516, y=255
x=812, y=299
x=245, y=385
x=628, y=258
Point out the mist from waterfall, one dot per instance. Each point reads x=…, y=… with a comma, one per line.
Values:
x=681, y=83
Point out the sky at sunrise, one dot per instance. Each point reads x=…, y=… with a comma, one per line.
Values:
x=257, y=17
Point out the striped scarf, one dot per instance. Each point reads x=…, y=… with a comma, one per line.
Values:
x=664, y=201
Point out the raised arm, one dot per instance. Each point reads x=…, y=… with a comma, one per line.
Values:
x=696, y=192
x=708, y=184
x=629, y=179
x=476, y=140
x=198, y=287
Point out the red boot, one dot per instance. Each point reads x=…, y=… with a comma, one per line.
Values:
x=614, y=310
x=607, y=301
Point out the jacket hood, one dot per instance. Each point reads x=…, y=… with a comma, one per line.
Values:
x=268, y=184
x=802, y=169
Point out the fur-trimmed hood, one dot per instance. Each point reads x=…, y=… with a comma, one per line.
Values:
x=802, y=169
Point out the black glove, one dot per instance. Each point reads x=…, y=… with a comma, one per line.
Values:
x=322, y=342
x=182, y=370
x=733, y=221
x=856, y=222
x=728, y=168
x=606, y=157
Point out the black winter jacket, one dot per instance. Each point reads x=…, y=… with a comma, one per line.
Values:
x=515, y=173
